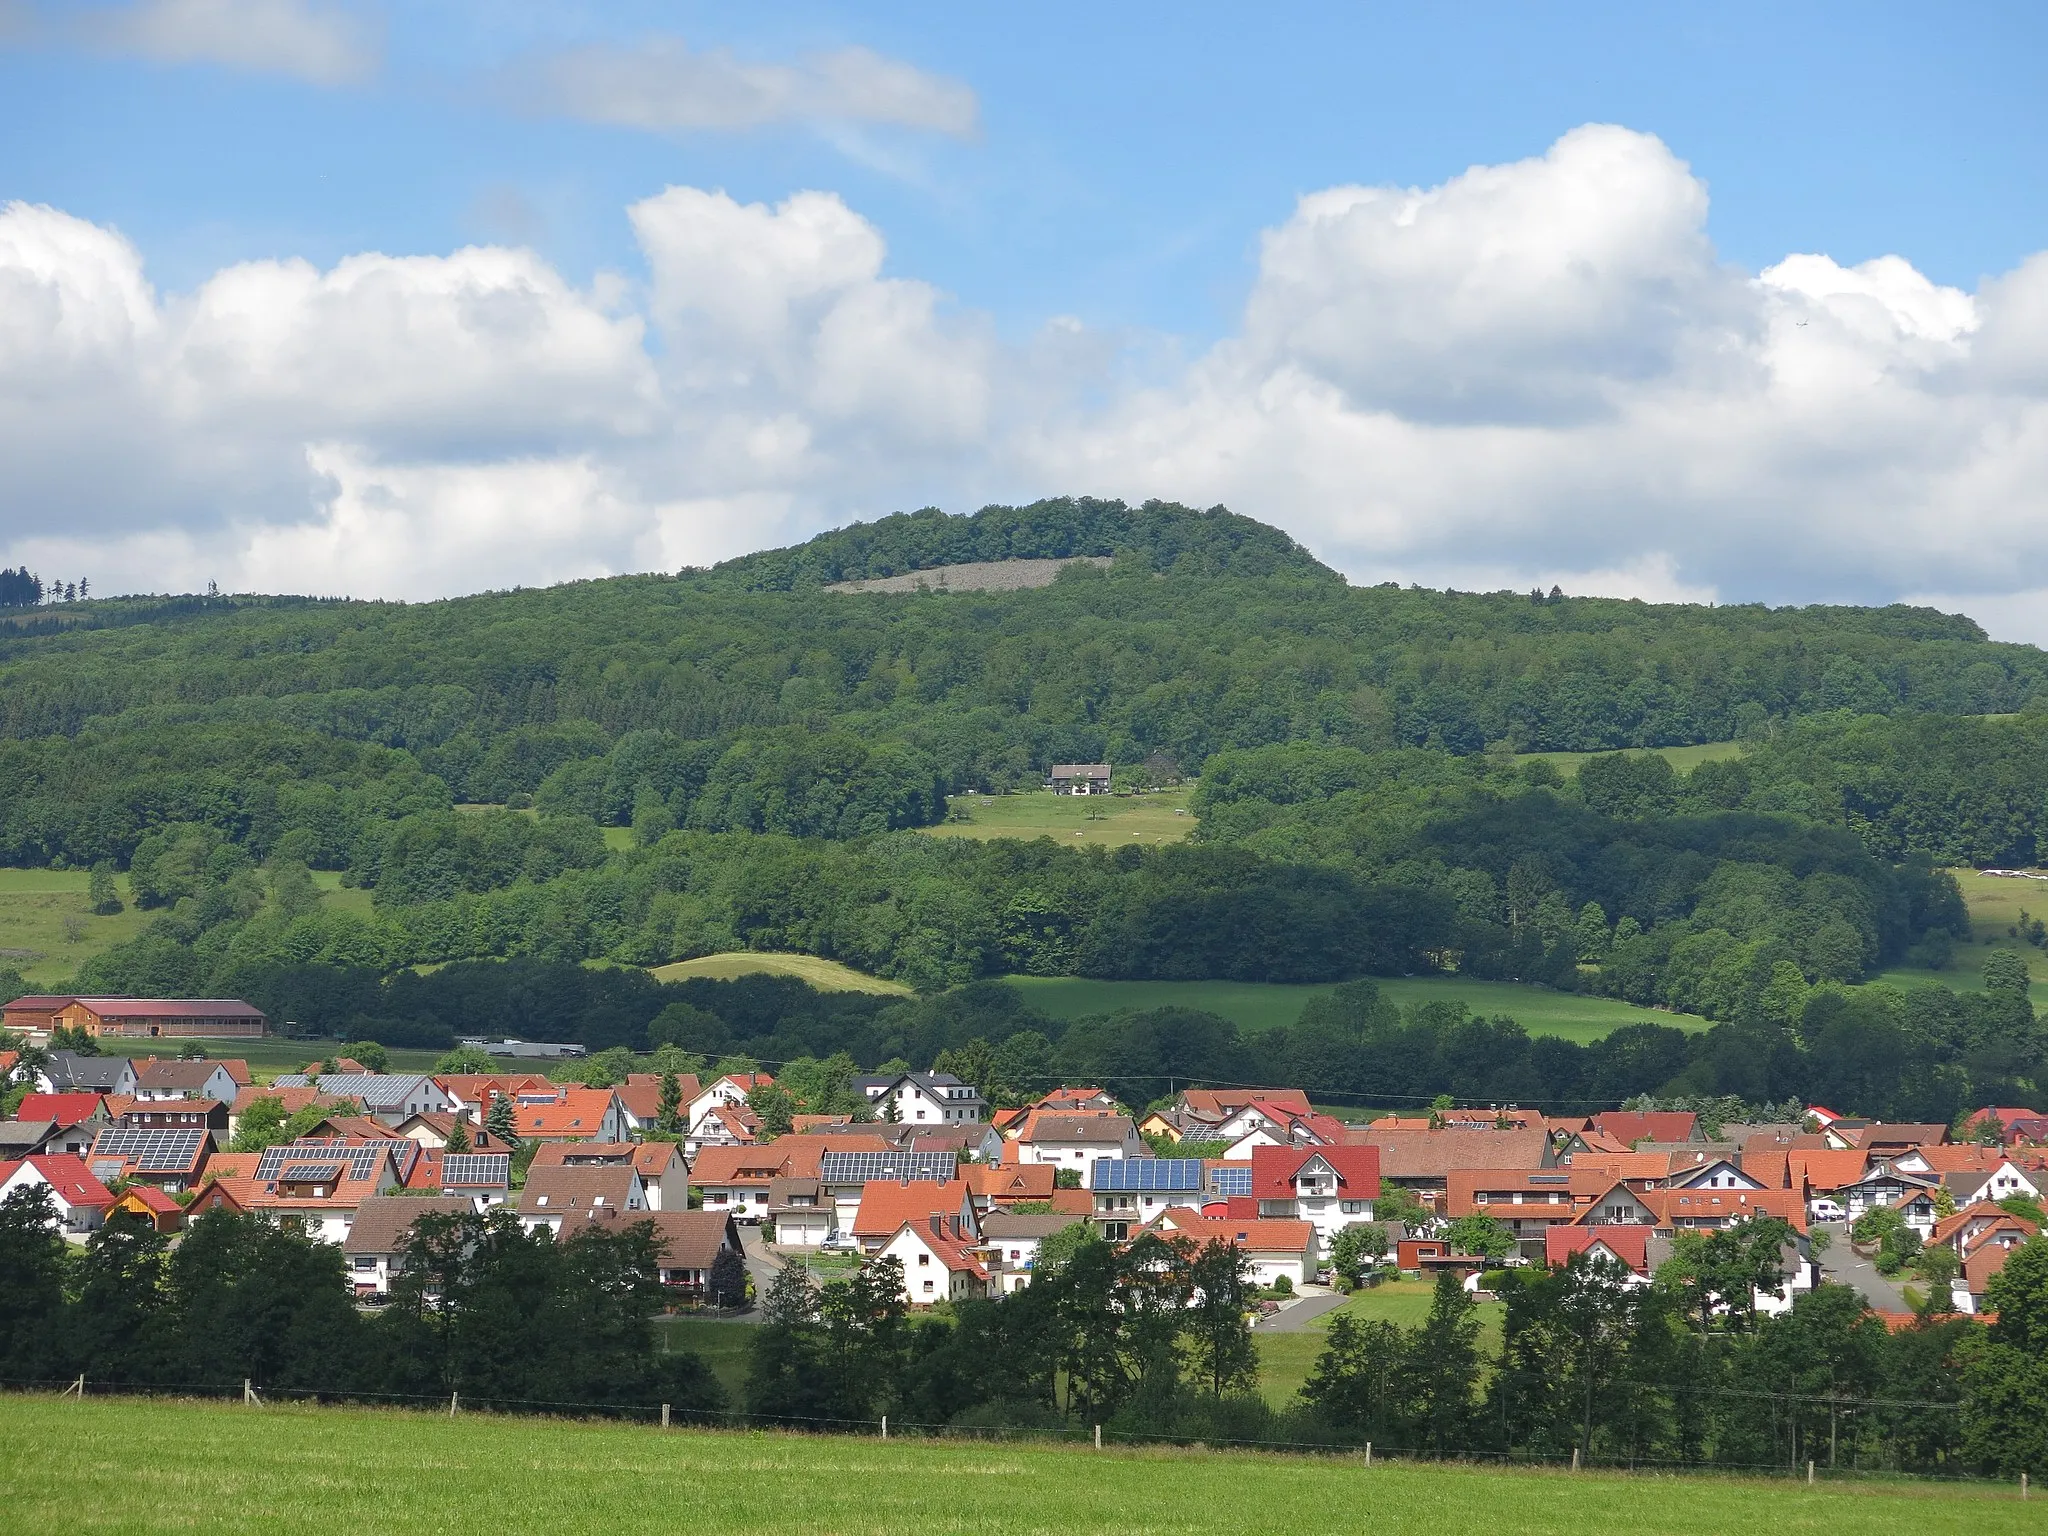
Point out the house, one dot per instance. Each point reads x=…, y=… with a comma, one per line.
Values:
x=156, y=1079
x=64, y=1109
x=1705, y=1171
x=320, y=1184
x=664, y=1176
x=559, y=1200
x=151, y=1205
x=1422, y=1160
x=886, y=1205
x=569, y=1114
x=1629, y=1126
x=152, y=1018
x=1638, y=1249
x=923, y=1098
x=640, y=1098
x=846, y=1173
x=1883, y=1184
x=482, y=1178
x=737, y=1180
x=1427, y=1255
x=1881, y=1140
x=80, y=1199
x=69, y=1072
x=372, y=1252
x=174, y=1115
x=172, y=1160
x=293, y=1100
x=1216, y=1104
x=968, y=1139
x=803, y=1213
x=1075, y=1096
x=1999, y=1183
x=1985, y=1260
x=1077, y=1140
x=393, y=1098
x=730, y=1090
x=1261, y=1124
x=472, y=1092
x=1131, y=1192
x=1328, y=1187
x=33, y=1138
x=1271, y=1248
x=1078, y=778
x=996, y=1187
x=688, y=1244
x=941, y=1261
x=722, y=1125
x=1009, y=1243
x=1528, y=1204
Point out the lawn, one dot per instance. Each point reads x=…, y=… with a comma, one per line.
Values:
x=1261, y=1005
x=1105, y=820
x=1684, y=759
x=121, y=1466
x=825, y=975
x=46, y=932
x=1286, y=1359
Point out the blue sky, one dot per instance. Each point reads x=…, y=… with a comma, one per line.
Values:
x=1082, y=197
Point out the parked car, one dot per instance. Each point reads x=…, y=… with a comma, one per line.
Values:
x=1826, y=1210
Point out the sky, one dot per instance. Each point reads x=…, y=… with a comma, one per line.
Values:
x=1732, y=303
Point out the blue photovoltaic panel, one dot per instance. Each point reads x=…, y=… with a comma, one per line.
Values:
x=860, y=1167
x=1231, y=1181
x=153, y=1151
x=1178, y=1174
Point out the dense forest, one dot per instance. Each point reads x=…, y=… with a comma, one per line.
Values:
x=773, y=747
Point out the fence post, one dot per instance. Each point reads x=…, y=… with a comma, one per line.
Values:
x=1575, y=1458
x=1098, y=1437
x=2023, y=1476
x=1368, y=1455
x=1809, y=1472
x=249, y=1393
x=77, y=1386
x=454, y=1403
x=664, y=1415
x=885, y=1426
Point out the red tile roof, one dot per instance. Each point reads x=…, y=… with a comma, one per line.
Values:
x=67, y=1109
x=1631, y=1245
x=1254, y=1235
x=68, y=1177
x=1274, y=1170
x=885, y=1204
x=1630, y=1126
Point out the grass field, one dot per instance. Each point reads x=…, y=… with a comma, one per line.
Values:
x=1287, y=1359
x=825, y=975
x=1107, y=820
x=1995, y=905
x=122, y=1466
x=1684, y=759
x=1261, y=1005
x=46, y=932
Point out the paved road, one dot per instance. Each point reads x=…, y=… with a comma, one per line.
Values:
x=1297, y=1317
x=1843, y=1265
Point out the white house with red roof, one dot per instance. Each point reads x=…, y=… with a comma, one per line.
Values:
x=732, y=1089
x=940, y=1258
x=1330, y=1188
x=81, y=1201
x=1077, y=1139
x=1272, y=1248
x=1266, y=1124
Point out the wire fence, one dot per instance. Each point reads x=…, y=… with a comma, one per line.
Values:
x=1090, y=1438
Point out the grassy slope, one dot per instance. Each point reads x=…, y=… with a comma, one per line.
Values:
x=1995, y=905
x=44, y=920
x=1259, y=1005
x=1110, y=820
x=1684, y=759
x=825, y=975
x=129, y=1466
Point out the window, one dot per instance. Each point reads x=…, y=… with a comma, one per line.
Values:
x=923, y=1259
x=1480, y=1197
x=927, y=1285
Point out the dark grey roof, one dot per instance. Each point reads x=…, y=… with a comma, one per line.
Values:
x=378, y=1090
x=359, y=1157
x=28, y=1134
x=860, y=1167
x=381, y=1220
x=101, y=1074
x=483, y=1170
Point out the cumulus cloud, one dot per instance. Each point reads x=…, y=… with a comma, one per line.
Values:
x=660, y=84
x=301, y=38
x=1534, y=372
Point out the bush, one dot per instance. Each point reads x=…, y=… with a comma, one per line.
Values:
x=1283, y=1286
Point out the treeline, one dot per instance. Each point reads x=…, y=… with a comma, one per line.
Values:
x=1150, y=1342
x=510, y=1321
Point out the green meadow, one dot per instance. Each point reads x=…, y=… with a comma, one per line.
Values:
x=1112, y=821
x=117, y=1466
x=1261, y=1005
x=1684, y=759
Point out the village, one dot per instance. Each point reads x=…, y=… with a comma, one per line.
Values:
x=965, y=1196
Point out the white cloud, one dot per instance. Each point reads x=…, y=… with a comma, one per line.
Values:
x=660, y=84
x=301, y=38
x=1538, y=372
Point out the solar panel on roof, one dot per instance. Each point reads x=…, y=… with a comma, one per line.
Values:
x=1149, y=1173
x=361, y=1158
x=156, y=1151
x=860, y=1167
x=494, y=1168
x=1230, y=1181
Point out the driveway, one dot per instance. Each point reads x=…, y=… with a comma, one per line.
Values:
x=1843, y=1265
x=1296, y=1316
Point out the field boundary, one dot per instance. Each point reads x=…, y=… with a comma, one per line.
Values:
x=1090, y=1439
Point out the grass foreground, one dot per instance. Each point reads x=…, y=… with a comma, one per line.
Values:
x=128, y=1465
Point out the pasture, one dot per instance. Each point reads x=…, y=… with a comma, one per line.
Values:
x=112, y=1465
x=824, y=975
x=1684, y=759
x=1261, y=1005
x=1109, y=821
